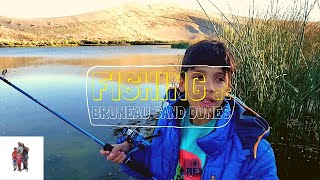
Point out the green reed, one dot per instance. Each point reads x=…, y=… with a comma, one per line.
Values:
x=278, y=75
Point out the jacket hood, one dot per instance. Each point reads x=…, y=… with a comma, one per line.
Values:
x=250, y=126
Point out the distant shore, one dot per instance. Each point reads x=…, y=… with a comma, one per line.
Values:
x=68, y=42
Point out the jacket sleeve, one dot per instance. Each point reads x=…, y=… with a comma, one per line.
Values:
x=140, y=160
x=264, y=166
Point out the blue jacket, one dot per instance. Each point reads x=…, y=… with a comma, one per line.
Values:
x=236, y=151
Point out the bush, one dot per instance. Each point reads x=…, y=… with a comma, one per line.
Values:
x=181, y=45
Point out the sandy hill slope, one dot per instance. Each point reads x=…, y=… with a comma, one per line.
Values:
x=127, y=22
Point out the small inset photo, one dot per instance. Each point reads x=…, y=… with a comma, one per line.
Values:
x=21, y=157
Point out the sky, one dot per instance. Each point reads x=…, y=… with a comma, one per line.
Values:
x=59, y=8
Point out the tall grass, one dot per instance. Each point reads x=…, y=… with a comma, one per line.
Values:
x=278, y=75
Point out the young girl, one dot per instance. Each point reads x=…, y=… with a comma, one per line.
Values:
x=19, y=160
x=222, y=138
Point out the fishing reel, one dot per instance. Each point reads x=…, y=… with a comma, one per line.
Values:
x=136, y=139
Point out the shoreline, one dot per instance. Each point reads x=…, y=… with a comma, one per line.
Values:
x=74, y=43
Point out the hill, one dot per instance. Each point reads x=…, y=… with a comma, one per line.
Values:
x=123, y=23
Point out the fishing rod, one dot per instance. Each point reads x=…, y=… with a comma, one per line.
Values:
x=106, y=146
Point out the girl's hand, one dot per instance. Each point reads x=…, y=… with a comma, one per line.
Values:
x=118, y=153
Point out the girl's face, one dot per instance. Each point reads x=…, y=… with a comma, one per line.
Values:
x=205, y=88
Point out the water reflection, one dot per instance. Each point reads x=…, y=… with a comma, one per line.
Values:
x=61, y=85
x=88, y=51
x=32, y=64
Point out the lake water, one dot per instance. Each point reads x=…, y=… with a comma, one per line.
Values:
x=89, y=51
x=56, y=76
